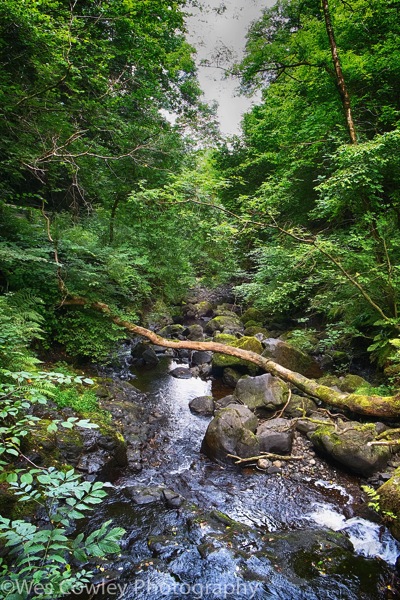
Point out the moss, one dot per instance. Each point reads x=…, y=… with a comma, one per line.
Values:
x=389, y=494
x=252, y=314
x=252, y=323
x=225, y=338
x=253, y=330
x=251, y=344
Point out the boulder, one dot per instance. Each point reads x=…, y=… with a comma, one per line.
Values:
x=201, y=357
x=172, y=331
x=230, y=377
x=389, y=500
x=202, y=405
x=231, y=430
x=195, y=333
x=262, y=392
x=347, y=443
x=347, y=383
x=225, y=401
x=252, y=314
x=221, y=361
x=226, y=323
x=291, y=358
x=149, y=357
x=275, y=436
x=256, y=330
x=181, y=373
x=299, y=406
x=202, y=309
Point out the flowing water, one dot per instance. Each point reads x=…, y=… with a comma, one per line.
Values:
x=290, y=538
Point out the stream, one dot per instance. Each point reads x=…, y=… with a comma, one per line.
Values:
x=289, y=537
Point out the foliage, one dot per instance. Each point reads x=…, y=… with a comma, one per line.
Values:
x=45, y=554
x=374, y=503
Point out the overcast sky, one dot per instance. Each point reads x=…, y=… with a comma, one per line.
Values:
x=223, y=24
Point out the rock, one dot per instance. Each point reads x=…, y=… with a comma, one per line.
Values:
x=256, y=330
x=202, y=405
x=201, y=357
x=202, y=309
x=305, y=426
x=389, y=494
x=181, y=373
x=348, y=444
x=225, y=401
x=226, y=323
x=172, y=499
x=263, y=463
x=291, y=358
x=139, y=349
x=142, y=495
x=150, y=358
x=252, y=314
x=275, y=436
x=278, y=464
x=299, y=406
x=348, y=383
x=183, y=354
x=273, y=470
x=245, y=343
x=262, y=392
x=172, y=331
x=230, y=377
x=195, y=333
x=228, y=431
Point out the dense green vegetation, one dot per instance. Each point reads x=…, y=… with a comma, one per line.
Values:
x=103, y=198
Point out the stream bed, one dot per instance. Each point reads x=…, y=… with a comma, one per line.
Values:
x=196, y=529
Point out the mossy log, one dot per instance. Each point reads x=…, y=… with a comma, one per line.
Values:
x=381, y=407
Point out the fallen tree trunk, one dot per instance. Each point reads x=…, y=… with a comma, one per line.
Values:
x=381, y=407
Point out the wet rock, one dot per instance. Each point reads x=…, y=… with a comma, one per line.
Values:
x=142, y=495
x=308, y=426
x=195, y=333
x=150, y=358
x=172, y=499
x=291, y=358
x=226, y=323
x=230, y=377
x=181, y=373
x=347, y=443
x=202, y=405
x=273, y=470
x=229, y=430
x=201, y=358
x=262, y=392
x=275, y=436
x=299, y=406
x=184, y=354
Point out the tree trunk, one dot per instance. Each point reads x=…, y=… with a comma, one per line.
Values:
x=344, y=94
x=380, y=407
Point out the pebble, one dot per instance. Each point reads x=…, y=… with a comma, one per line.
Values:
x=313, y=462
x=277, y=463
x=263, y=463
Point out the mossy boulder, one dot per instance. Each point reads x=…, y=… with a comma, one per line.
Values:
x=221, y=361
x=226, y=323
x=347, y=383
x=172, y=331
x=348, y=444
x=389, y=494
x=202, y=309
x=252, y=314
x=299, y=406
x=291, y=358
x=232, y=431
x=262, y=392
x=255, y=330
x=194, y=333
